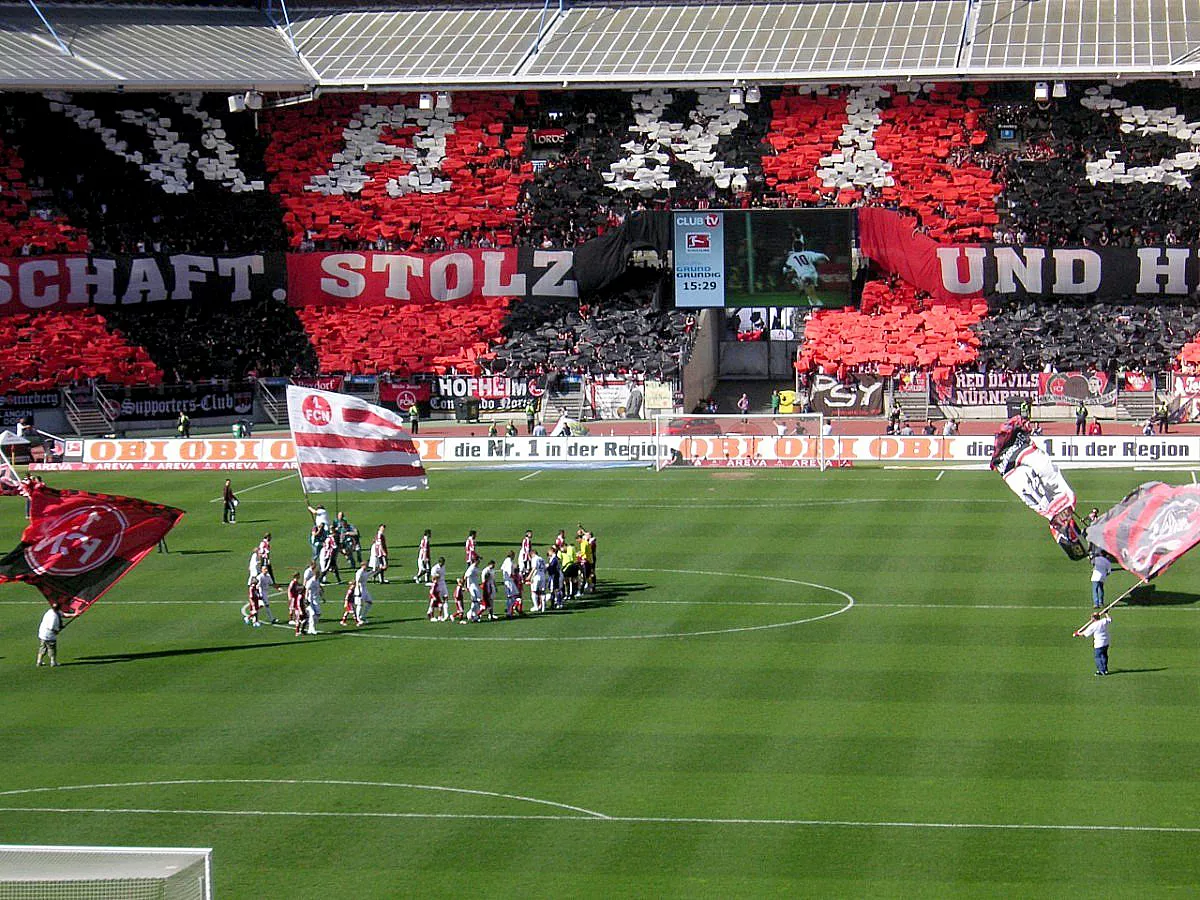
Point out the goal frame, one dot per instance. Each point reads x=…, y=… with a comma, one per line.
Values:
x=58, y=868
x=702, y=440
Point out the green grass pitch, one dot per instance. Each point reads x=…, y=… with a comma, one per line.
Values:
x=718, y=721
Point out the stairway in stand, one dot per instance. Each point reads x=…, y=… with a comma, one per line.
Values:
x=567, y=397
x=85, y=414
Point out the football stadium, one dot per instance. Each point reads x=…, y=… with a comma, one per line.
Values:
x=581, y=448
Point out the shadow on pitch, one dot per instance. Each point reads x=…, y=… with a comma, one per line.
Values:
x=608, y=593
x=1148, y=595
x=1136, y=671
x=199, y=552
x=104, y=659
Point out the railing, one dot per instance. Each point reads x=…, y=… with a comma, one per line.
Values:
x=71, y=409
x=271, y=404
x=95, y=416
x=107, y=409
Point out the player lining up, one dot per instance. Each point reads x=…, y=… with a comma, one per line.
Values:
x=562, y=573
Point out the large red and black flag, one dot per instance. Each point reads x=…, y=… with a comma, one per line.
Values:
x=78, y=544
x=1152, y=527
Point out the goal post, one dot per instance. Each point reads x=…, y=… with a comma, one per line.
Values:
x=46, y=872
x=793, y=440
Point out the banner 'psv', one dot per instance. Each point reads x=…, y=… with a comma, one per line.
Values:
x=1151, y=528
x=347, y=444
x=78, y=545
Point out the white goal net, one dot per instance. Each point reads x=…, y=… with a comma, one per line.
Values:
x=796, y=440
x=104, y=873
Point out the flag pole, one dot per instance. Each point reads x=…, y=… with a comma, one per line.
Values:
x=303, y=486
x=336, y=505
x=1136, y=585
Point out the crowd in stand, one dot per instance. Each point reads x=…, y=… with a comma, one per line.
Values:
x=929, y=151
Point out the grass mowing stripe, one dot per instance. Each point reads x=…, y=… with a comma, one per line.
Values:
x=950, y=715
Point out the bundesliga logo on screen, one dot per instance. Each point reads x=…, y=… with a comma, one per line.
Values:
x=699, y=242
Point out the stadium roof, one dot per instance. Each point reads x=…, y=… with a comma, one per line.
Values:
x=751, y=41
x=410, y=44
x=145, y=48
x=1071, y=37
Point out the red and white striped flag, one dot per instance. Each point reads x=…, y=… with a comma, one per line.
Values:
x=347, y=444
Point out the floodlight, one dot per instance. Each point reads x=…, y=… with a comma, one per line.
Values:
x=736, y=97
x=1041, y=91
x=237, y=102
x=425, y=101
x=254, y=100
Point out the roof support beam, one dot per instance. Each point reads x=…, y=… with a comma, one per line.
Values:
x=286, y=26
x=54, y=34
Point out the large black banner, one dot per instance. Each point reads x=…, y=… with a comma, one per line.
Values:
x=30, y=284
x=199, y=401
x=862, y=395
x=15, y=407
x=1004, y=272
x=495, y=393
x=989, y=388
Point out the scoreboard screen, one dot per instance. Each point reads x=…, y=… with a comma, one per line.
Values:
x=764, y=258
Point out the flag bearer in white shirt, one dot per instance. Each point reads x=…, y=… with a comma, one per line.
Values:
x=1097, y=630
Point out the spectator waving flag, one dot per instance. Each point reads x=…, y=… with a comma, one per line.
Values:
x=347, y=444
x=1151, y=528
x=78, y=545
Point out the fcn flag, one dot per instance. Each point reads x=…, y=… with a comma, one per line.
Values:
x=1151, y=528
x=78, y=545
x=347, y=444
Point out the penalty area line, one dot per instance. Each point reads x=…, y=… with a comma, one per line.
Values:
x=530, y=475
x=618, y=820
x=255, y=487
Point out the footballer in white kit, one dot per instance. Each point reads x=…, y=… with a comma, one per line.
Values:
x=265, y=585
x=312, y=593
x=539, y=584
x=362, y=594
x=423, y=558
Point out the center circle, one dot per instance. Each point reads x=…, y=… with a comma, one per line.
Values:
x=774, y=579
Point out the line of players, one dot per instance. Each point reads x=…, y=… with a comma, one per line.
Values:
x=561, y=573
x=305, y=592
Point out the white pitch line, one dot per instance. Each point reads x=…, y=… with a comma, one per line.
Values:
x=326, y=782
x=859, y=604
x=684, y=502
x=1193, y=476
x=940, y=474
x=530, y=475
x=957, y=467
x=620, y=820
x=581, y=813
x=255, y=487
